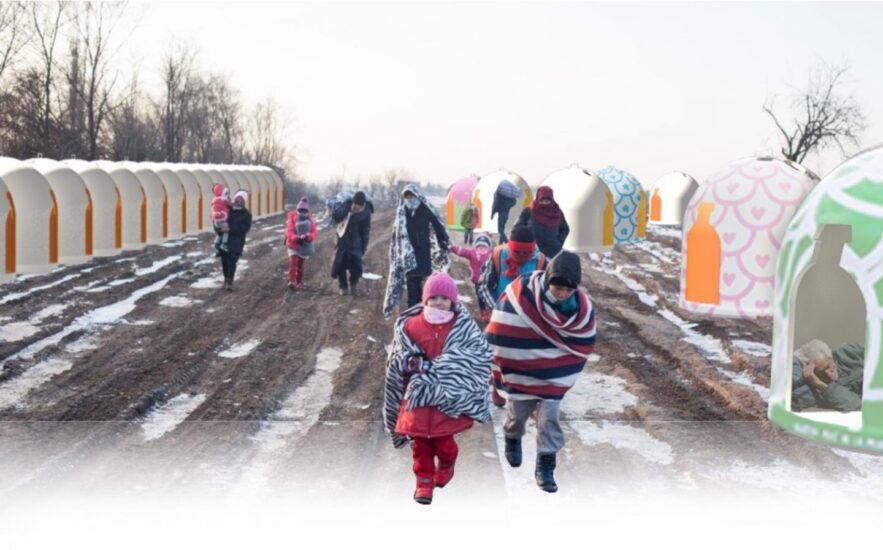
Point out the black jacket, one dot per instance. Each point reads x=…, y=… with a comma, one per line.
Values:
x=502, y=204
x=418, y=223
x=358, y=229
x=239, y=222
x=550, y=240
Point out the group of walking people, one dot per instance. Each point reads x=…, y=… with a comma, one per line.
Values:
x=443, y=370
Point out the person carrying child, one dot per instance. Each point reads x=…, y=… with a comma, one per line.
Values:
x=300, y=233
x=542, y=332
x=469, y=221
x=477, y=256
x=436, y=382
x=220, y=214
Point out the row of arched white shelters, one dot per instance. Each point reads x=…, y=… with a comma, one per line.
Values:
x=66, y=212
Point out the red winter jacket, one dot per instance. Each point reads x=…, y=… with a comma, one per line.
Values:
x=291, y=235
x=429, y=421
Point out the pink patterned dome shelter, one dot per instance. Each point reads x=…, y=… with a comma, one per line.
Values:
x=732, y=232
x=459, y=198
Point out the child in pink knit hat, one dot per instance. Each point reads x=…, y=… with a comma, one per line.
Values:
x=299, y=236
x=436, y=382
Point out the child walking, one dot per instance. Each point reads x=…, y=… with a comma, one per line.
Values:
x=477, y=257
x=220, y=214
x=300, y=233
x=436, y=382
x=469, y=221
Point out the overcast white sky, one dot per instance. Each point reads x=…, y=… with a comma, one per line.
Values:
x=446, y=89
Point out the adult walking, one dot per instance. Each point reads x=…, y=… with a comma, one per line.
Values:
x=415, y=250
x=504, y=200
x=352, y=221
x=547, y=221
x=239, y=224
x=541, y=333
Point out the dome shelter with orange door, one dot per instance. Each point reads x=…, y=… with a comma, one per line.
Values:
x=176, y=199
x=732, y=232
x=829, y=289
x=459, y=199
x=268, y=189
x=134, y=204
x=80, y=207
x=587, y=204
x=483, y=198
x=157, y=206
x=109, y=212
x=669, y=197
x=196, y=220
x=629, y=205
x=224, y=178
x=206, y=186
x=30, y=221
x=188, y=211
x=279, y=184
x=260, y=190
x=7, y=234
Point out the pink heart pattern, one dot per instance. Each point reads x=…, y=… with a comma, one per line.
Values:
x=762, y=304
x=762, y=260
x=729, y=237
x=757, y=212
x=731, y=187
x=729, y=278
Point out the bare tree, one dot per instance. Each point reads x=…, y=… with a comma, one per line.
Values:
x=13, y=33
x=823, y=115
x=178, y=85
x=133, y=133
x=214, y=122
x=266, y=137
x=95, y=23
x=47, y=20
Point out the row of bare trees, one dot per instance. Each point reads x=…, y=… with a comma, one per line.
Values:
x=62, y=95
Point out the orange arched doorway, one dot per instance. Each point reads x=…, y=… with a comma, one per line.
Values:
x=89, y=223
x=53, y=230
x=199, y=222
x=143, y=217
x=10, y=235
x=184, y=213
x=267, y=209
x=118, y=222
x=165, y=214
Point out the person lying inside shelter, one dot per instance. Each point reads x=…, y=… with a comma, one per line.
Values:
x=826, y=379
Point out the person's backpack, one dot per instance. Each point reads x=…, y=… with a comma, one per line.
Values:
x=497, y=254
x=509, y=190
x=302, y=227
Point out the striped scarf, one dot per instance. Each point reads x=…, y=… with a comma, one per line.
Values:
x=538, y=352
x=455, y=381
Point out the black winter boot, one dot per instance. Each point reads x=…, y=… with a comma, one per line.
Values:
x=513, y=452
x=544, y=472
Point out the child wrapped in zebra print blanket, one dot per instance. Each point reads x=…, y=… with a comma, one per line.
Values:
x=436, y=382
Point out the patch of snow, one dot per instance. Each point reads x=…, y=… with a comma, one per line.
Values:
x=157, y=265
x=353, y=311
x=665, y=231
x=16, y=295
x=756, y=349
x=178, y=301
x=81, y=344
x=593, y=358
x=120, y=282
x=488, y=454
x=624, y=436
x=13, y=392
x=371, y=276
x=193, y=254
x=240, y=350
x=143, y=322
x=711, y=347
x=852, y=420
x=49, y=311
x=646, y=298
x=167, y=416
x=215, y=281
x=652, y=268
x=97, y=289
x=103, y=315
x=173, y=244
x=597, y=393
x=372, y=339
x=15, y=332
x=206, y=261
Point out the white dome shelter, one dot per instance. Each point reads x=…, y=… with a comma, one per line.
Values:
x=109, y=211
x=33, y=221
x=733, y=229
x=7, y=234
x=177, y=200
x=85, y=212
x=157, y=201
x=196, y=223
x=220, y=175
x=279, y=186
x=189, y=209
x=267, y=190
x=273, y=190
x=587, y=205
x=206, y=186
x=629, y=205
x=483, y=199
x=669, y=197
x=134, y=214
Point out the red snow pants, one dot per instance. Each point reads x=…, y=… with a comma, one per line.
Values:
x=426, y=449
x=296, y=269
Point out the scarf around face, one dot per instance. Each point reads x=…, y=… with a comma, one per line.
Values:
x=547, y=214
x=512, y=264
